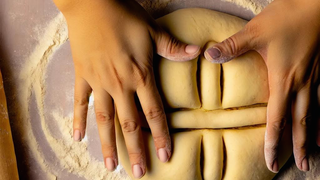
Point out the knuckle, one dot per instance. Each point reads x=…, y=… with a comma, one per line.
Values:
x=271, y=149
x=231, y=45
x=104, y=118
x=161, y=140
x=299, y=146
x=81, y=100
x=130, y=126
x=279, y=124
x=172, y=46
x=136, y=156
x=108, y=150
x=305, y=120
x=80, y=117
x=156, y=115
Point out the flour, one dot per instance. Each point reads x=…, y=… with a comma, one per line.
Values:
x=73, y=156
x=155, y=4
x=256, y=6
x=32, y=81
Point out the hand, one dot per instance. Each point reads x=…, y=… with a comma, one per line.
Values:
x=112, y=46
x=287, y=36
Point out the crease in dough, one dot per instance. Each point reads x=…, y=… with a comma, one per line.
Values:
x=223, y=137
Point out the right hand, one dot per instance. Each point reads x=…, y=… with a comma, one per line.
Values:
x=287, y=35
x=112, y=45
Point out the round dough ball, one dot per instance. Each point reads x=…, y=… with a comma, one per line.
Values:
x=220, y=110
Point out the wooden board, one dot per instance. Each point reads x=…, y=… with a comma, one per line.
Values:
x=8, y=163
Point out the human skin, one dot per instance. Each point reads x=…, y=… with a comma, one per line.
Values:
x=113, y=43
x=287, y=35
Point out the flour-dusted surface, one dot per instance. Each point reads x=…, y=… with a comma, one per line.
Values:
x=245, y=9
x=73, y=157
x=256, y=6
x=38, y=73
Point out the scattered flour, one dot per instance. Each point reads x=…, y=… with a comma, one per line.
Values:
x=72, y=156
x=155, y=4
x=256, y=6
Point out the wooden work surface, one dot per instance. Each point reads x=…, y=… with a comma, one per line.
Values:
x=21, y=23
x=8, y=165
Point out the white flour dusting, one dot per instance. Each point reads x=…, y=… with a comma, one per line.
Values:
x=72, y=156
x=256, y=6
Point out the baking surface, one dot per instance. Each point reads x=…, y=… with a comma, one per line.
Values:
x=38, y=74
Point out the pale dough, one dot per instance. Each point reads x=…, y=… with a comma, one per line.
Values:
x=220, y=110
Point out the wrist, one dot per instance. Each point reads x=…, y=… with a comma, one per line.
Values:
x=83, y=7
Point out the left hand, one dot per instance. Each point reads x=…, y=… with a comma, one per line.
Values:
x=113, y=43
x=287, y=36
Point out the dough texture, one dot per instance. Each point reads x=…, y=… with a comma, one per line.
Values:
x=216, y=113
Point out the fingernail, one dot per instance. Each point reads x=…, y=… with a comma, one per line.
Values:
x=76, y=135
x=191, y=49
x=163, y=155
x=214, y=53
x=137, y=171
x=275, y=166
x=305, y=164
x=110, y=165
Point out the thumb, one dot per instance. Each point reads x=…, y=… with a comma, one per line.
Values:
x=173, y=49
x=230, y=48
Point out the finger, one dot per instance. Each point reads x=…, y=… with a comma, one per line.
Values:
x=173, y=49
x=276, y=121
x=130, y=124
x=232, y=47
x=104, y=110
x=82, y=92
x=153, y=110
x=300, y=118
x=318, y=129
